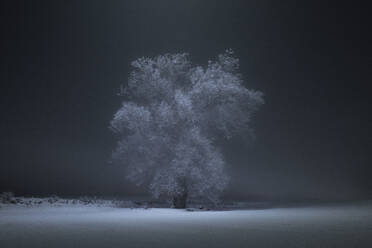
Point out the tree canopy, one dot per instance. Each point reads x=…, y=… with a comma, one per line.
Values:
x=172, y=114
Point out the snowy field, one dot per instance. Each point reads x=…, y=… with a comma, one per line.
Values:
x=342, y=225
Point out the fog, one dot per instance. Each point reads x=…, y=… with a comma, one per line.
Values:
x=63, y=64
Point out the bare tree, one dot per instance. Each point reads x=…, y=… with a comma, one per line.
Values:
x=170, y=119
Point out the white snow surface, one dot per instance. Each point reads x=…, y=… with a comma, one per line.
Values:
x=342, y=225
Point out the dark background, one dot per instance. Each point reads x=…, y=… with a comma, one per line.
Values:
x=62, y=63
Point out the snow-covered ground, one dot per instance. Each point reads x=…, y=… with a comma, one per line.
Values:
x=342, y=225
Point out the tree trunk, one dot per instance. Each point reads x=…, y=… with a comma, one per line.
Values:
x=179, y=201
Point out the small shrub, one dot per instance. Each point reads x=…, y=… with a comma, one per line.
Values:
x=53, y=199
x=86, y=200
x=7, y=197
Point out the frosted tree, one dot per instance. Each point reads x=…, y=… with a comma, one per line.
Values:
x=172, y=115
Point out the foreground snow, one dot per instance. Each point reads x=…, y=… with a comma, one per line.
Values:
x=348, y=225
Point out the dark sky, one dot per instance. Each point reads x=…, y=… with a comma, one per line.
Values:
x=62, y=63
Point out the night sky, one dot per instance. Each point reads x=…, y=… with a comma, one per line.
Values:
x=62, y=63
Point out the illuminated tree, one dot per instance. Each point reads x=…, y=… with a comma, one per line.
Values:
x=170, y=119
